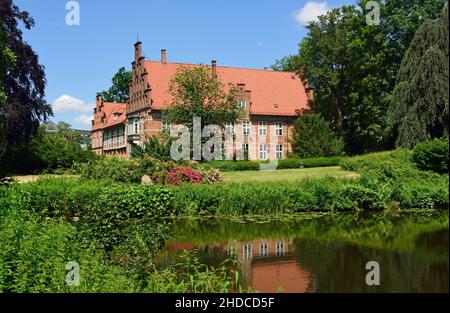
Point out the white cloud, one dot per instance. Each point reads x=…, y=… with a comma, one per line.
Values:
x=83, y=119
x=311, y=11
x=67, y=103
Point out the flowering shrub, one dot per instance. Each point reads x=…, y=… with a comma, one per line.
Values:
x=211, y=176
x=180, y=174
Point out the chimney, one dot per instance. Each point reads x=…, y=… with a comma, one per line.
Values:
x=214, y=68
x=99, y=99
x=137, y=51
x=163, y=56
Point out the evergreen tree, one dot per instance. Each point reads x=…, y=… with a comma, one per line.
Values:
x=420, y=102
x=313, y=137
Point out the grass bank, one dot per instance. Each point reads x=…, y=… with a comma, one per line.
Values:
x=287, y=174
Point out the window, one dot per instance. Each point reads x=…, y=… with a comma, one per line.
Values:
x=116, y=116
x=136, y=127
x=263, y=152
x=165, y=124
x=247, y=251
x=245, y=150
x=242, y=104
x=246, y=127
x=278, y=129
x=279, y=248
x=229, y=128
x=264, y=250
x=279, y=151
x=262, y=128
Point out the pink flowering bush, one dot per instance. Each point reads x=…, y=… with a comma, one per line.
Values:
x=179, y=174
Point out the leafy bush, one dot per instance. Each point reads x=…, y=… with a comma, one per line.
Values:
x=432, y=155
x=47, y=151
x=211, y=176
x=289, y=163
x=313, y=137
x=231, y=166
x=118, y=170
x=157, y=147
x=116, y=208
x=34, y=253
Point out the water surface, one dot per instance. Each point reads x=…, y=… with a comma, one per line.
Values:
x=323, y=254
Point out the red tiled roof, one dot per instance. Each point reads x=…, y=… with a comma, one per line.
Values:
x=108, y=111
x=268, y=88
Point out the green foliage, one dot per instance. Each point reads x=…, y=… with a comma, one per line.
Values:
x=294, y=162
x=353, y=66
x=48, y=151
x=8, y=59
x=230, y=166
x=394, y=175
x=118, y=170
x=432, y=155
x=288, y=63
x=275, y=198
x=196, y=92
x=420, y=105
x=313, y=137
x=291, y=162
x=157, y=147
x=34, y=252
x=119, y=90
x=115, y=211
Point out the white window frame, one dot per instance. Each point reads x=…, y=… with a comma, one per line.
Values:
x=279, y=151
x=229, y=128
x=165, y=124
x=246, y=128
x=241, y=103
x=247, y=251
x=136, y=127
x=264, y=249
x=263, y=151
x=262, y=128
x=278, y=128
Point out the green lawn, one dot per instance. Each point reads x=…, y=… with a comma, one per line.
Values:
x=287, y=175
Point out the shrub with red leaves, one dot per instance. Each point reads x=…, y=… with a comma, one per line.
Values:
x=180, y=174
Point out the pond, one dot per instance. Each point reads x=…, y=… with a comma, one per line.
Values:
x=322, y=253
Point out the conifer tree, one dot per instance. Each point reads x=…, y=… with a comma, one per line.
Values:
x=420, y=101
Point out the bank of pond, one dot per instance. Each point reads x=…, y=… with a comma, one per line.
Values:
x=315, y=235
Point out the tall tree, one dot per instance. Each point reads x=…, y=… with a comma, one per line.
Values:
x=420, y=102
x=352, y=66
x=119, y=90
x=24, y=106
x=196, y=92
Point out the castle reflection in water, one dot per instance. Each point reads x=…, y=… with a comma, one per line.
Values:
x=267, y=265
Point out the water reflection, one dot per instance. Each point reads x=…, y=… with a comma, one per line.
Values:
x=304, y=261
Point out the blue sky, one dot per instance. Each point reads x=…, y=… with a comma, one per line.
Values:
x=80, y=60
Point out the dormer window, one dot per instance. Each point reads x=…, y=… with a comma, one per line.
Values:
x=116, y=116
x=242, y=104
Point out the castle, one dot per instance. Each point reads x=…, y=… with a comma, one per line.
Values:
x=271, y=100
